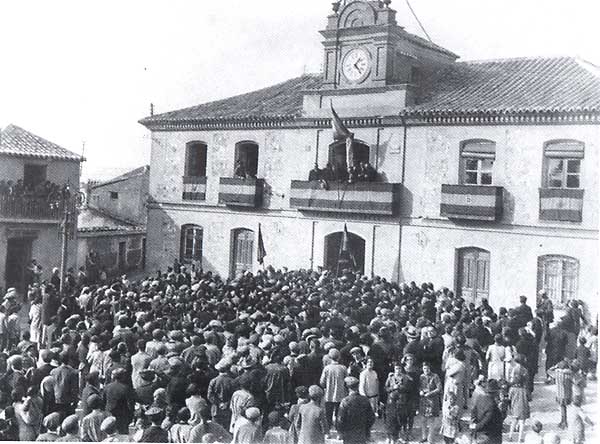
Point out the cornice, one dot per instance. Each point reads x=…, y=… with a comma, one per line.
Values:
x=406, y=118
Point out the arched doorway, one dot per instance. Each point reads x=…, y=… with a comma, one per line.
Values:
x=473, y=274
x=242, y=247
x=336, y=259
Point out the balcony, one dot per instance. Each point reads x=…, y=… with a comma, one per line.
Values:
x=561, y=204
x=194, y=188
x=241, y=192
x=471, y=202
x=27, y=207
x=373, y=198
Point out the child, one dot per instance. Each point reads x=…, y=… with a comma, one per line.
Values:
x=450, y=418
x=592, y=345
x=580, y=419
x=582, y=355
x=535, y=435
x=564, y=389
x=519, y=403
x=579, y=381
x=369, y=385
x=430, y=388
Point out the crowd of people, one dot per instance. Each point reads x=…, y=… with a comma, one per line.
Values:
x=282, y=356
x=358, y=172
x=43, y=190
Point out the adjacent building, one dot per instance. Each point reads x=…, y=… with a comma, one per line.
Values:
x=487, y=171
x=112, y=227
x=33, y=175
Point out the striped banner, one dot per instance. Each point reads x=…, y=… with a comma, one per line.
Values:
x=361, y=198
x=561, y=204
x=471, y=202
x=240, y=192
x=194, y=188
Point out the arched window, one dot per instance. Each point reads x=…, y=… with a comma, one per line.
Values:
x=191, y=244
x=195, y=159
x=246, y=159
x=338, y=156
x=242, y=250
x=473, y=273
x=477, y=160
x=559, y=277
x=562, y=163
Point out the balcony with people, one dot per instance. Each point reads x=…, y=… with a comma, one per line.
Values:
x=42, y=201
x=244, y=189
x=348, y=184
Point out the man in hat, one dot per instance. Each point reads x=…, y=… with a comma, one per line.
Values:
x=70, y=427
x=139, y=361
x=355, y=416
x=119, y=400
x=247, y=429
x=486, y=417
x=155, y=433
x=207, y=426
x=91, y=423
x=66, y=385
x=276, y=434
x=277, y=382
x=332, y=380
x=523, y=313
x=220, y=391
x=241, y=400
x=52, y=425
x=109, y=428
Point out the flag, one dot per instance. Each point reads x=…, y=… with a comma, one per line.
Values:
x=340, y=132
x=344, y=247
x=261, y=247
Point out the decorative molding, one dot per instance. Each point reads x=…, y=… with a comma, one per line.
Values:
x=408, y=118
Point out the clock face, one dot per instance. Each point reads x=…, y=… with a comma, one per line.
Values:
x=356, y=65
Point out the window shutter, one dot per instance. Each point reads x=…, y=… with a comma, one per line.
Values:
x=483, y=149
x=571, y=149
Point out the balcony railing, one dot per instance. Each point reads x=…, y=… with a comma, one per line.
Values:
x=241, y=192
x=361, y=198
x=561, y=204
x=27, y=207
x=471, y=202
x=194, y=188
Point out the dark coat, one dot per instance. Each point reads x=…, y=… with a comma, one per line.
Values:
x=355, y=419
x=119, y=399
x=487, y=417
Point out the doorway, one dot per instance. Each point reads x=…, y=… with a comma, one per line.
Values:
x=473, y=274
x=352, y=258
x=18, y=257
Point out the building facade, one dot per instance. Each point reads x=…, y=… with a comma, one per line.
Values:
x=112, y=228
x=486, y=172
x=33, y=173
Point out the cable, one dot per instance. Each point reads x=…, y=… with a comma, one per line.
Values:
x=418, y=21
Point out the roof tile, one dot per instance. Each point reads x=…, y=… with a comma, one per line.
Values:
x=16, y=141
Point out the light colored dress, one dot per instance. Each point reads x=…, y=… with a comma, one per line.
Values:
x=495, y=356
x=450, y=420
x=456, y=378
x=35, y=318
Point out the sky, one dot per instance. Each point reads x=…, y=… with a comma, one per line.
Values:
x=80, y=72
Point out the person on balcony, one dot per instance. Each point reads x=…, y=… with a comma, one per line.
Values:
x=240, y=170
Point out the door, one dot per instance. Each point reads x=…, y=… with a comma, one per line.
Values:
x=473, y=274
x=242, y=251
x=18, y=257
x=122, y=255
x=337, y=260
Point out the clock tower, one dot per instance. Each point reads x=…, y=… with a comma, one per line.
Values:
x=367, y=52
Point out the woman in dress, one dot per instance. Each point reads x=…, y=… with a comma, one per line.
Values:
x=518, y=397
x=495, y=359
x=311, y=422
x=456, y=377
x=450, y=418
x=35, y=320
x=430, y=387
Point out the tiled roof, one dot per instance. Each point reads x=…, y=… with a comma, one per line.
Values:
x=128, y=175
x=93, y=220
x=525, y=84
x=16, y=141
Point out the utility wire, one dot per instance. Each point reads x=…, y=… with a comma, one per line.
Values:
x=418, y=21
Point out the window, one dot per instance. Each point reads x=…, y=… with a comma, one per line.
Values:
x=246, y=159
x=195, y=159
x=562, y=163
x=559, y=276
x=477, y=161
x=114, y=195
x=338, y=156
x=33, y=175
x=242, y=249
x=191, y=244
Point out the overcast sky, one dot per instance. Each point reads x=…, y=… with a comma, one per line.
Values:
x=74, y=70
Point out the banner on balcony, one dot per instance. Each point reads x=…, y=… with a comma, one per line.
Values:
x=471, y=202
x=561, y=204
x=242, y=192
x=194, y=188
x=359, y=198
